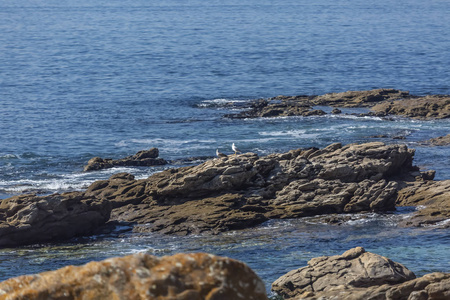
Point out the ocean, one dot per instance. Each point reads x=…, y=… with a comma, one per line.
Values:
x=109, y=78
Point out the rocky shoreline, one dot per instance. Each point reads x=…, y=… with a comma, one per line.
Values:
x=381, y=102
x=235, y=192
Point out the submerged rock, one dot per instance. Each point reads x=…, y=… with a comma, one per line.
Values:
x=142, y=276
x=357, y=274
x=31, y=219
x=142, y=158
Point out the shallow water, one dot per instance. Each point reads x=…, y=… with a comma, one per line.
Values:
x=110, y=78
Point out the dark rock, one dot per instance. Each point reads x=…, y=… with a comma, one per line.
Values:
x=31, y=219
x=142, y=276
x=360, y=275
x=359, y=98
x=143, y=158
x=336, y=111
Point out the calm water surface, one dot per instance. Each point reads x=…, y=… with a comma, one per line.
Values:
x=110, y=78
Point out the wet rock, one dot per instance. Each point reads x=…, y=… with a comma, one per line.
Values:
x=336, y=111
x=142, y=276
x=439, y=141
x=355, y=268
x=432, y=199
x=31, y=219
x=429, y=107
x=140, y=159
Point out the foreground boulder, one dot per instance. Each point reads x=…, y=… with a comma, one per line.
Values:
x=31, y=219
x=143, y=158
x=357, y=274
x=141, y=276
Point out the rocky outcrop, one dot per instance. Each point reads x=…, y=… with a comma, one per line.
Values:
x=439, y=141
x=429, y=107
x=432, y=200
x=382, y=102
x=143, y=158
x=245, y=190
x=357, y=274
x=31, y=219
x=142, y=276
x=282, y=106
x=234, y=192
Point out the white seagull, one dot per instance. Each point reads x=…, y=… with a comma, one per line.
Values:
x=235, y=149
x=220, y=154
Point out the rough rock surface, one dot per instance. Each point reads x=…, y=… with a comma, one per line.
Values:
x=142, y=158
x=30, y=219
x=245, y=190
x=439, y=141
x=432, y=199
x=141, y=276
x=429, y=107
x=361, y=275
x=235, y=192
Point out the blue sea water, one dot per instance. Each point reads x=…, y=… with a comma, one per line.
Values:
x=109, y=78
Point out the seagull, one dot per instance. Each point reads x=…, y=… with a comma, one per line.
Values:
x=235, y=149
x=220, y=154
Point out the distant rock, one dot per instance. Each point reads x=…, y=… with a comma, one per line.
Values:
x=142, y=276
x=359, y=275
x=31, y=219
x=282, y=106
x=382, y=102
x=439, y=141
x=142, y=158
x=429, y=107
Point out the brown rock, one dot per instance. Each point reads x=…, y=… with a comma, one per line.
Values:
x=142, y=158
x=429, y=107
x=353, y=269
x=439, y=141
x=31, y=219
x=359, y=98
x=142, y=276
x=432, y=198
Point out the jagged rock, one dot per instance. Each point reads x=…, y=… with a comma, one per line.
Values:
x=439, y=141
x=355, y=268
x=142, y=158
x=30, y=219
x=432, y=198
x=336, y=111
x=429, y=107
x=142, y=276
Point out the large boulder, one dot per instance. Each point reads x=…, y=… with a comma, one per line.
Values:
x=31, y=219
x=141, y=276
x=360, y=275
x=143, y=158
